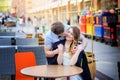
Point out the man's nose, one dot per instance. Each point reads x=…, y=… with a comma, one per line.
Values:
x=66, y=34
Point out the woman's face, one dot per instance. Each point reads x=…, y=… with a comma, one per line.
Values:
x=70, y=34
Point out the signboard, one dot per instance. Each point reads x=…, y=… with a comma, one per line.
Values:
x=4, y=6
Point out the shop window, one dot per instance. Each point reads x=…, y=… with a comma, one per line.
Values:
x=56, y=15
x=87, y=5
x=63, y=12
x=74, y=15
x=108, y=4
x=49, y=18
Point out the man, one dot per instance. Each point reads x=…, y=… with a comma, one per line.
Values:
x=35, y=25
x=57, y=33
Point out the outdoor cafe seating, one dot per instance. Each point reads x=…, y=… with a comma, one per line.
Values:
x=10, y=45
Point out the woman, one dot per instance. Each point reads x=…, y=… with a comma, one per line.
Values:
x=66, y=55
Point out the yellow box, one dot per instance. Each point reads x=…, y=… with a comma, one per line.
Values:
x=90, y=25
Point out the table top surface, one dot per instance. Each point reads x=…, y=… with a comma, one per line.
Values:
x=51, y=71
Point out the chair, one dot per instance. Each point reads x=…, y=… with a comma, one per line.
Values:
x=7, y=33
x=29, y=35
x=40, y=38
x=7, y=62
x=38, y=51
x=6, y=41
x=22, y=60
x=26, y=41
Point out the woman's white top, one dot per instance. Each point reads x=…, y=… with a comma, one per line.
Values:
x=66, y=61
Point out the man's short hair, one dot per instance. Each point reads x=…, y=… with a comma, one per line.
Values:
x=57, y=28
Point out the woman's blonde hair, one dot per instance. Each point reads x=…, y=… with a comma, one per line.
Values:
x=76, y=36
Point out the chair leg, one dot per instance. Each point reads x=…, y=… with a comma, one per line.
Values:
x=119, y=70
x=38, y=79
x=42, y=78
x=68, y=78
x=12, y=77
x=51, y=79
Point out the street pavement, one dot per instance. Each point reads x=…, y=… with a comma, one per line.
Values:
x=106, y=60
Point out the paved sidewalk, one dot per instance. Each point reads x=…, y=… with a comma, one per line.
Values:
x=106, y=60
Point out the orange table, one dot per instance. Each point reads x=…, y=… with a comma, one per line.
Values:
x=51, y=71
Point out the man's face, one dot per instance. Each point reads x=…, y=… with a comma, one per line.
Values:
x=64, y=33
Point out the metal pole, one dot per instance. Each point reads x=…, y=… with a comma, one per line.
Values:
x=92, y=40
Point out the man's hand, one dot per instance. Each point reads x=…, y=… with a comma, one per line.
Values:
x=48, y=51
x=80, y=47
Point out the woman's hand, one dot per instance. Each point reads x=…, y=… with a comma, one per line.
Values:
x=74, y=49
x=60, y=54
x=60, y=48
x=77, y=48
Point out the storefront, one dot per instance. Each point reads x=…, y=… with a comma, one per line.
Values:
x=68, y=11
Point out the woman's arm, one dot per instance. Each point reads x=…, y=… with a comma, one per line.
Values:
x=60, y=54
x=75, y=55
x=82, y=46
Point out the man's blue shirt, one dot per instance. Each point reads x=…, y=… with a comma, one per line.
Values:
x=51, y=38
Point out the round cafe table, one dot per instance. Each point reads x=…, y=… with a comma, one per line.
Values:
x=51, y=71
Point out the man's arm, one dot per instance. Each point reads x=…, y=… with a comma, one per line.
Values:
x=84, y=41
x=48, y=46
x=50, y=53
